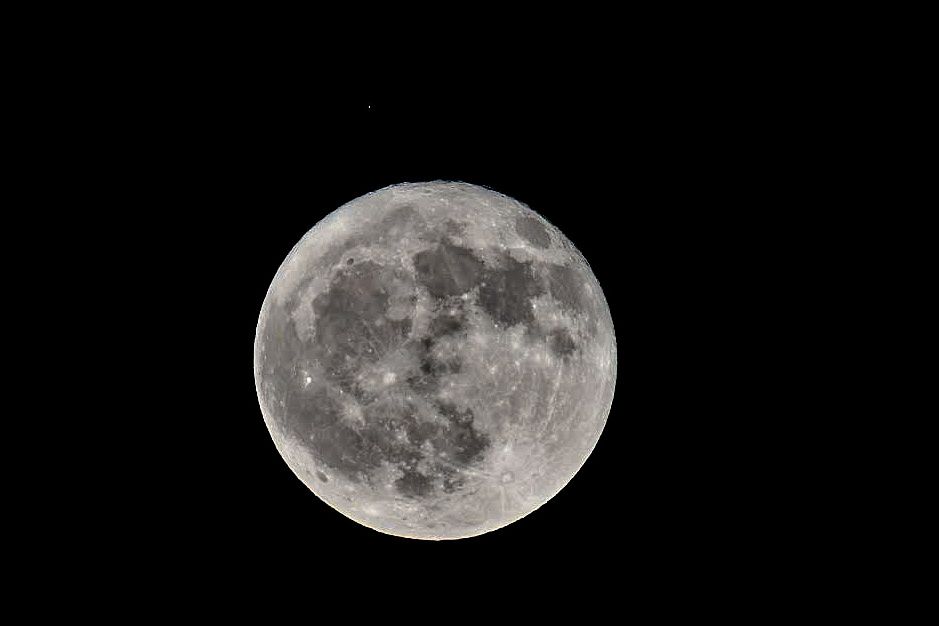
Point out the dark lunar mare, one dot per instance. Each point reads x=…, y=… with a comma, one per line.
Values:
x=351, y=331
x=531, y=230
x=351, y=322
x=566, y=286
x=447, y=269
x=561, y=343
x=506, y=293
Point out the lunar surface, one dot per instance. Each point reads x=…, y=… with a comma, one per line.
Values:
x=435, y=360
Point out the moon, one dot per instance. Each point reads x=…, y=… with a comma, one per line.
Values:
x=435, y=360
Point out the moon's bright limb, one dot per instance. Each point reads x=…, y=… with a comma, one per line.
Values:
x=435, y=360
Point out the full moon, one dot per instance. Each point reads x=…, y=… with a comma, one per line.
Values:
x=435, y=360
